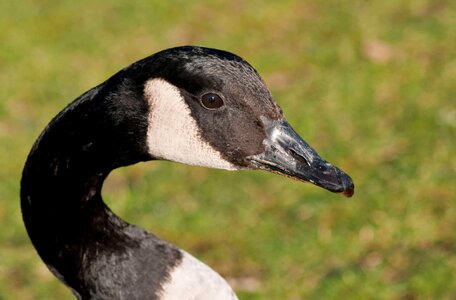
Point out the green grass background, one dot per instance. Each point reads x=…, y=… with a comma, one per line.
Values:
x=370, y=84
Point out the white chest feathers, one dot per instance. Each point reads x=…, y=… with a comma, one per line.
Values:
x=173, y=134
x=193, y=280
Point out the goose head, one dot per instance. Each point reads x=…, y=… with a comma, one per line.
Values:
x=192, y=105
x=211, y=108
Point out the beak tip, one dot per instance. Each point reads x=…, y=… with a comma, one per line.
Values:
x=348, y=192
x=348, y=186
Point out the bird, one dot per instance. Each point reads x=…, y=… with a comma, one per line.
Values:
x=189, y=104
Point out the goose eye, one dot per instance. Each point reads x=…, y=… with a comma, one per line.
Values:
x=211, y=101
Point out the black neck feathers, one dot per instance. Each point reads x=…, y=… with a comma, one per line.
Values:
x=103, y=129
x=79, y=238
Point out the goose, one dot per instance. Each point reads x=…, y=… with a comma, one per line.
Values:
x=193, y=105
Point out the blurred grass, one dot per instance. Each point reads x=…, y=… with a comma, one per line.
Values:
x=372, y=86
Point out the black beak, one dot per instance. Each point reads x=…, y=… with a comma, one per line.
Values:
x=288, y=154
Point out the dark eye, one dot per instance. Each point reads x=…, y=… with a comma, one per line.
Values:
x=211, y=101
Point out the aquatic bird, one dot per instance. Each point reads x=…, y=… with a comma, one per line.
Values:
x=192, y=105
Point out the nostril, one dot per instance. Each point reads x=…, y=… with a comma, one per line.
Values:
x=298, y=157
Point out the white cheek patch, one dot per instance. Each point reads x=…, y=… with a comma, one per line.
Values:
x=192, y=279
x=173, y=133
